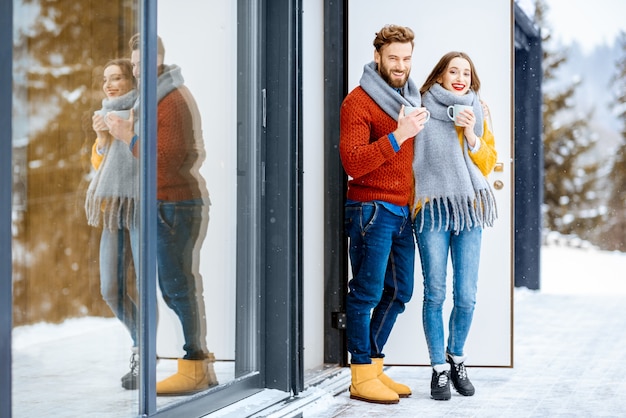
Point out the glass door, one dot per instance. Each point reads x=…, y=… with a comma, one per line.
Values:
x=84, y=303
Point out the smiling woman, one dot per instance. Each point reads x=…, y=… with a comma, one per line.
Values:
x=111, y=202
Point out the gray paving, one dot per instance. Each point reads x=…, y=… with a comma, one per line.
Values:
x=569, y=362
x=569, y=357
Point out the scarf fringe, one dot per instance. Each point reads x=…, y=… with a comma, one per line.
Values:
x=112, y=212
x=460, y=212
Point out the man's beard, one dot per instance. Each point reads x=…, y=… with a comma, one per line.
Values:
x=385, y=74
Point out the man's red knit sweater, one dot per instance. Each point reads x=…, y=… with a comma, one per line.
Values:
x=177, y=151
x=377, y=172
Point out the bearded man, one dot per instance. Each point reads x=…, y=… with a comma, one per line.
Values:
x=376, y=148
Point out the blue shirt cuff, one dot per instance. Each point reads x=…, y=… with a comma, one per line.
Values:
x=132, y=143
x=393, y=141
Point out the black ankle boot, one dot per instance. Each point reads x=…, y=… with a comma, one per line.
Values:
x=440, y=385
x=129, y=380
x=458, y=374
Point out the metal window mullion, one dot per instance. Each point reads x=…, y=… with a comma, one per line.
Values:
x=147, y=207
x=6, y=174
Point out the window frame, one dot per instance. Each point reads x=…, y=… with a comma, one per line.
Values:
x=6, y=198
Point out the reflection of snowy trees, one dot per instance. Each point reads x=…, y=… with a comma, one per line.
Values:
x=59, y=48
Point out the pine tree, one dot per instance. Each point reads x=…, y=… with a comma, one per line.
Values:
x=614, y=233
x=570, y=183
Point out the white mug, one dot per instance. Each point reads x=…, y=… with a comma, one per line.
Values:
x=456, y=109
x=410, y=109
x=102, y=113
x=124, y=114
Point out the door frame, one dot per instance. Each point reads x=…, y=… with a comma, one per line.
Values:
x=335, y=244
x=340, y=30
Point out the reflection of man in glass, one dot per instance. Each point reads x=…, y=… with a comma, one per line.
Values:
x=179, y=219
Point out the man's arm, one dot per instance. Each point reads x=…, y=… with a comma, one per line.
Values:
x=358, y=155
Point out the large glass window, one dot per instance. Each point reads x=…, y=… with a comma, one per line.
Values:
x=79, y=148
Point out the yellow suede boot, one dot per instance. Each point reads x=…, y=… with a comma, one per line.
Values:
x=210, y=359
x=366, y=386
x=192, y=376
x=403, y=391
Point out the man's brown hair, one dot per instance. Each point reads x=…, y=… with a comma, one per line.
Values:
x=134, y=44
x=393, y=33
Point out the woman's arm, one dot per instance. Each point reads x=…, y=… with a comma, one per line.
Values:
x=486, y=156
x=103, y=139
x=96, y=156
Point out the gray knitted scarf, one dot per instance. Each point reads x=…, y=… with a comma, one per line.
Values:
x=112, y=194
x=170, y=79
x=445, y=176
x=386, y=96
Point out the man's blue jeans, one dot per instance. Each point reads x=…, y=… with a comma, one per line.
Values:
x=382, y=254
x=115, y=258
x=178, y=229
x=464, y=249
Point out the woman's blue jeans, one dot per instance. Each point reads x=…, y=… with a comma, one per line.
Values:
x=464, y=249
x=382, y=254
x=118, y=248
x=178, y=230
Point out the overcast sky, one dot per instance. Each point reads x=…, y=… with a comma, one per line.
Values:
x=590, y=23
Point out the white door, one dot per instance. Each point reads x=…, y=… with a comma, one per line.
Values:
x=485, y=32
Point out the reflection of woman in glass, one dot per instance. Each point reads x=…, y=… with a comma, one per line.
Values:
x=111, y=202
x=454, y=202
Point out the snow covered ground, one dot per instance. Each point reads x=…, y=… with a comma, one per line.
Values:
x=74, y=369
x=568, y=359
x=568, y=352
